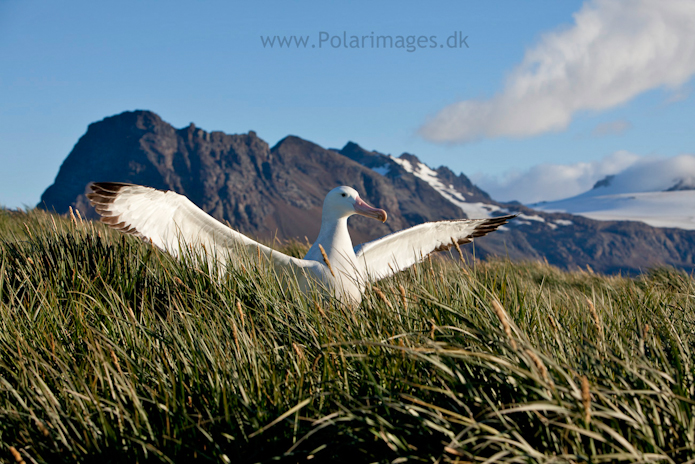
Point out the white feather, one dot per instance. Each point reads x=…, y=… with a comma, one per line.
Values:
x=395, y=252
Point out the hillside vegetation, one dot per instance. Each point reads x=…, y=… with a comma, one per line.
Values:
x=112, y=351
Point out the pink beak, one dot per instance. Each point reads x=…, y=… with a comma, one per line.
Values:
x=365, y=210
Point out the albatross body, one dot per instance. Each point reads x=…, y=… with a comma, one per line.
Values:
x=172, y=222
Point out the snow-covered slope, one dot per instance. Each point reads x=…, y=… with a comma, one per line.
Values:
x=658, y=209
x=472, y=209
x=456, y=189
x=657, y=192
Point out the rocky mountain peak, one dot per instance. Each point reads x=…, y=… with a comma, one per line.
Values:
x=412, y=159
x=370, y=159
x=682, y=184
x=605, y=182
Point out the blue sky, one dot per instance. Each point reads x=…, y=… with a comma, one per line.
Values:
x=67, y=64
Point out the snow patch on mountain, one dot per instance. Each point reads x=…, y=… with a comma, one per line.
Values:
x=531, y=218
x=424, y=172
x=382, y=170
x=405, y=164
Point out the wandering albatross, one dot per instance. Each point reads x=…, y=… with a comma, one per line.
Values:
x=170, y=220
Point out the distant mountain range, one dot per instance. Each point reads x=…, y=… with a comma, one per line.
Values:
x=278, y=192
x=640, y=193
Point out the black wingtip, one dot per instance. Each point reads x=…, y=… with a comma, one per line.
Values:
x=491, y=225
x=108, y=187
x=103, y=194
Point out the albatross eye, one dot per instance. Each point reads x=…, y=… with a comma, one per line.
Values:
x=344, y=194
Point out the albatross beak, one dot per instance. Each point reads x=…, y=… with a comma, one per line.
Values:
x=365, y=210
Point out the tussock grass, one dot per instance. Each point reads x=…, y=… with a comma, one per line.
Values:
x=112, y=350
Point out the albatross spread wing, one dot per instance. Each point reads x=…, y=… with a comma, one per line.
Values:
x=171, y=221
x=398, y=251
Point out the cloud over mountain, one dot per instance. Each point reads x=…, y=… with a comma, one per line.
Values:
x=655, y=175
x=630, y=173
x=614, y=51
x=547, y=182
x=657, y=191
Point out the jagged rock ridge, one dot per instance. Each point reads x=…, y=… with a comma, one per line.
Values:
x=268, y=192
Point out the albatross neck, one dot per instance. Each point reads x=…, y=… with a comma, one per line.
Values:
x=334, y=235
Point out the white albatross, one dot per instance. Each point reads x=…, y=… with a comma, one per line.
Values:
x=170, y=220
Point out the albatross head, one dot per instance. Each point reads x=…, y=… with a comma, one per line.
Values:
x=343, y=202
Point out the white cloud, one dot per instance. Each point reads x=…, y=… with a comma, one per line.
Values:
x=615, y=50
x=547, y=182
x=616, y=127
x=654, y=175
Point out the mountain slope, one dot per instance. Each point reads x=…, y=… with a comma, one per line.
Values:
x=658, y=209
x=278, y=192
x=658, y=192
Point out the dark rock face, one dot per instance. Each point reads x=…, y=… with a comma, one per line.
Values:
x=236, y=178
x=682, y=184
x=605, y=182
x=267, y=192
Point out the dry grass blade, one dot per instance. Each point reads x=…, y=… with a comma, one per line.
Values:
x=586, y=400
x=504, y=320
x=540, y=366
x=404, y=300
x=241, y=313
x=15, y=454
x=458, y=249
x=382, y=297
x=595, y=318
x=326, y=260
